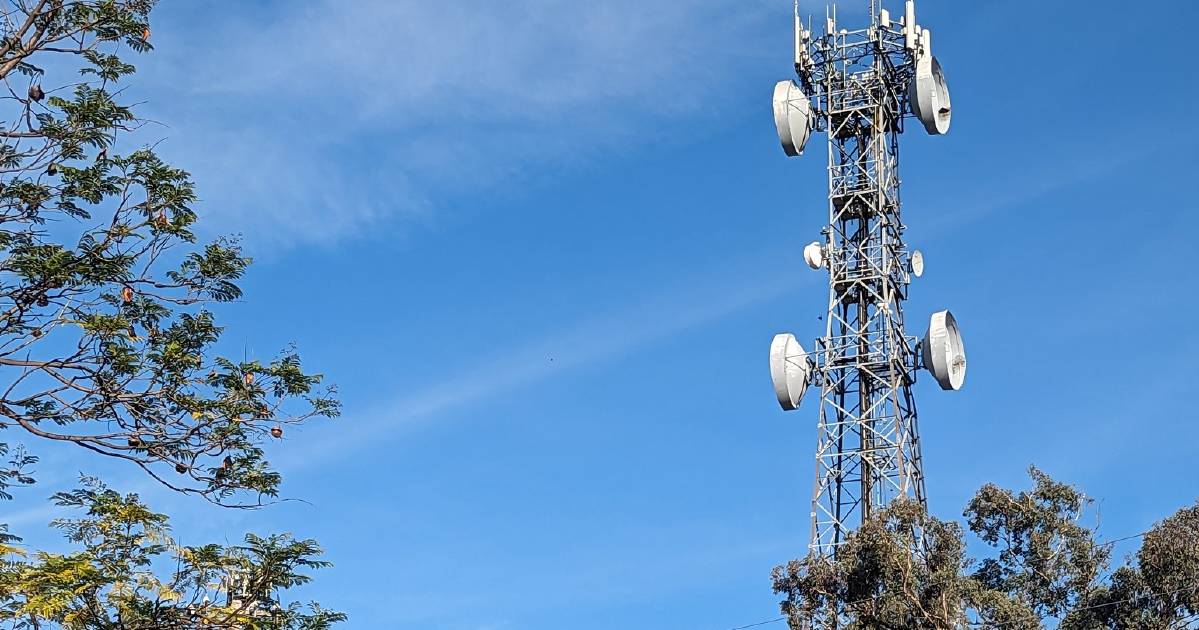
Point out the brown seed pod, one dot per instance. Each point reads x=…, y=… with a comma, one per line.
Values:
x=127, y=294
x=132, y=332
x=36, y=332
x=160, y=220
x=36, y=93
x=249, y=378
x=146, y=34
x=227, y=463
x=52, y=169
x=180, y=468
x=277, y=432
x=135, y=441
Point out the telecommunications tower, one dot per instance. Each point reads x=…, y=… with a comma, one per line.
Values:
x=860, y=87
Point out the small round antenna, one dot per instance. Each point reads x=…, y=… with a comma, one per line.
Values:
x=792, y=117
x=944, y=352
x=930, y=96
x=789, y=369
x=918, y=263
x=813, y=254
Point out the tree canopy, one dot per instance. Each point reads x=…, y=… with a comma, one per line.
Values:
x=906, y=569
x=103, y=290
x=109, y=342
x=115, y=580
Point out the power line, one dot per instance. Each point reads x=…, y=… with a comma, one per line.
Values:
x=760, y=623
x=1116, y=604
x=1112, y=542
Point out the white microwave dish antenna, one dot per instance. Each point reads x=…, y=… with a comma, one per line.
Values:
x=918, y=264
x=813, y=254
x=944, y=352
x=930, y=96
x=790, y=369
x=792, y=117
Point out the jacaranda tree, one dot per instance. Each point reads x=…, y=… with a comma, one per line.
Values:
x=108, y=343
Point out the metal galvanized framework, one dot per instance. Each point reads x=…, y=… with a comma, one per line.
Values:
x=868, y=448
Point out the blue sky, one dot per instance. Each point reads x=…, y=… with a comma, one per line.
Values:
x=542, y=247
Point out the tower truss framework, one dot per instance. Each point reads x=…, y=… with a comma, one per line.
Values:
x=868, y=440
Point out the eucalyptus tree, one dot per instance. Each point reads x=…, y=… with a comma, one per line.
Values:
x=1044, y=568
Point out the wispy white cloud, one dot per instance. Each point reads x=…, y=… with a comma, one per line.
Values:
x=604, y=337
x=607, y=336
x=1056, y=169
x=316, y=120
x=597, y=339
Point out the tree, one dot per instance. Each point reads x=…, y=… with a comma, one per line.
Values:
x=111, y=583
x=906, y=569
x=107, y=337
x=103, y=317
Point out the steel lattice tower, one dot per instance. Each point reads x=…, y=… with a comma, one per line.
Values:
x=859, y=86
